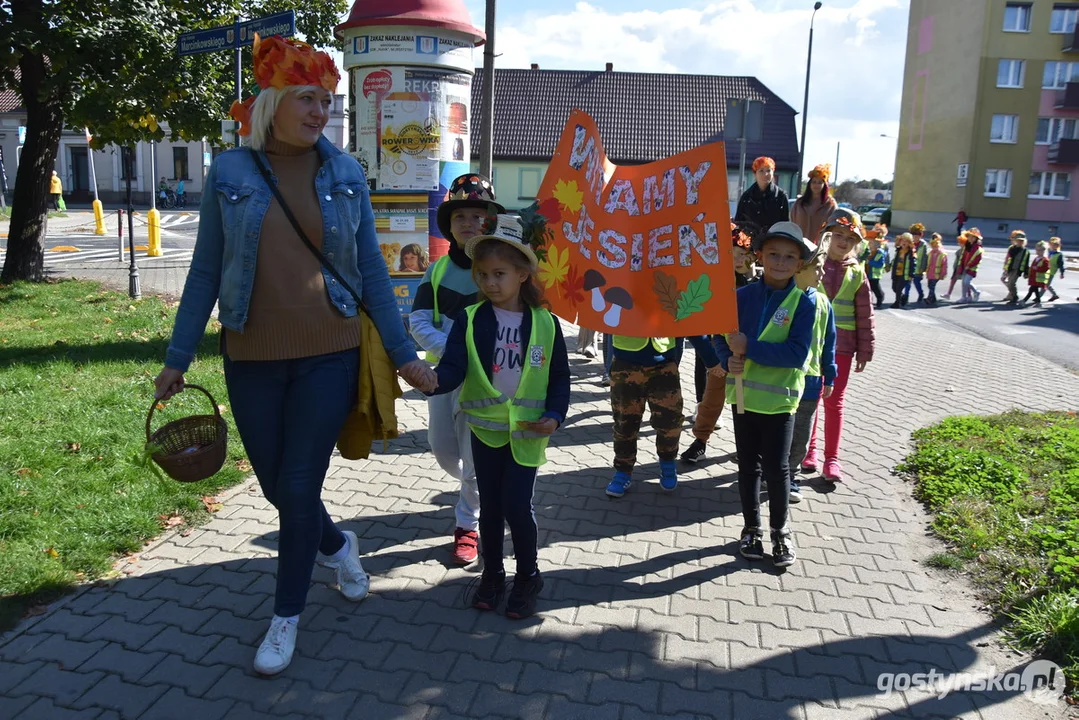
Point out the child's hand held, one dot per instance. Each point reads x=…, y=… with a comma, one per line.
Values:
x=737, y=342
x=543, y=426
x=736, y=365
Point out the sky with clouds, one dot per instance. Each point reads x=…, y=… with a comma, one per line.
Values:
x=858, y=55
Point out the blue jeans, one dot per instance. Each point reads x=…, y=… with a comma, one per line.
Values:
x=506, y=490
x=918, y=286
x=289, y=414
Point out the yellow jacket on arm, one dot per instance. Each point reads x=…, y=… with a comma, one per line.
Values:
x=374, y=417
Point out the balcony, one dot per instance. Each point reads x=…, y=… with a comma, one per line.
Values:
x=1064, y=152
x=1068, y=98
x=1071, y=41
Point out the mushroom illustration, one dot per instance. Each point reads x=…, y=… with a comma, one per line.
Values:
x=620, y=300
x=594, y=280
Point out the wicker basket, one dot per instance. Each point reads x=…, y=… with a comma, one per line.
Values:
x=191, y=448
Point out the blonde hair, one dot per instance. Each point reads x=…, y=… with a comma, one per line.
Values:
x=1054, y=242
x=906, y=238
x=1042, y=245
x=936, y=240
x=264, y=109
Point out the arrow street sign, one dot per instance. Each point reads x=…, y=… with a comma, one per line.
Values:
x=229, y=37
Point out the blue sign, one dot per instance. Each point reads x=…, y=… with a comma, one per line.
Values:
x=204, y=41
x=283, y=24
x=230, y=37
x=22, y=134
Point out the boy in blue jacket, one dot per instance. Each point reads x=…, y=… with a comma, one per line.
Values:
x=776, y=320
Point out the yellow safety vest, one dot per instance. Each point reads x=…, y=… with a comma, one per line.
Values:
x=1044, y=275
x=490, y=414
x=1021, y=259
x=772, y=390
x=843, y=302
x=633, y=344
x=437, y=272
x=820, y=328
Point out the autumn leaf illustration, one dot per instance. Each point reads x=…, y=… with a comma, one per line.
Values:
x=692, y=300
x=553, y=269
x=568, y=195
x=550, y=209
x=573, y=287
x=666, y=288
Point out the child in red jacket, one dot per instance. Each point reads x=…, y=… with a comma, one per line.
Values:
x=847, y=287
x=968, y=266
x=1038, y=277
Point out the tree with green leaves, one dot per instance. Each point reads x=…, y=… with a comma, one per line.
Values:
x=111, y=66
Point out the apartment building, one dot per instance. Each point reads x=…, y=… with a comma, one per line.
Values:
x=990, y=117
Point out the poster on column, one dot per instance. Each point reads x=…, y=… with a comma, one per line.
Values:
x=401, y=226
x=640, y=250
x=407, y=122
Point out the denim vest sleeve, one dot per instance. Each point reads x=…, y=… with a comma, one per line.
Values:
x=203, y=280
x=377, y=291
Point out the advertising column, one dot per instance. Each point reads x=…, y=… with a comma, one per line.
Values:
x=410, y=91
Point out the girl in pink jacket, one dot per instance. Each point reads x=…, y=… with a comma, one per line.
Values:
x=937, y=267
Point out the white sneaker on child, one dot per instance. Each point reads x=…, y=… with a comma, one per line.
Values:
x=275, y=652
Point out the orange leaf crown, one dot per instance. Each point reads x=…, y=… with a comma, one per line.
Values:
x=763, y=161
x=281, y=63
x=822, y=171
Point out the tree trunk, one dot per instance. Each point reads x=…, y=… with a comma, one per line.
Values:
x=29, y=206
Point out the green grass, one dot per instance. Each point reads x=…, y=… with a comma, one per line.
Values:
x=1005, y=493
x=76, y=363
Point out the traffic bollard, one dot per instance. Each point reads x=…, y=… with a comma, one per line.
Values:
x=99, y=218
x=153, y=228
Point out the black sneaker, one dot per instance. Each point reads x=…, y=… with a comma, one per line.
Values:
x=694, y=452
x=796, y=492
x=782, y=550
x=492, y=588
x=523, y=595
x=750, y=547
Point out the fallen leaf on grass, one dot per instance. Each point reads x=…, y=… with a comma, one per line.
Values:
x=24, y=472
x=211, y=503
x=35, y=610
x=243, y=465
x=51, y=552
x=222, y=409
x=73, y=447
x=187, y=532
x=108, y=320
x=159, y=406
x=171, y=521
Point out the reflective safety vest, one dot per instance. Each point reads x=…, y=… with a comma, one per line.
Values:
x=1042, y=277
x=437, y=272
x=1022, y=260
x=922, y=257
x=633, y=344
x=491, y=415
x=1056, y=262
x=820, y=328
x=877, y=263
x=772, y=390
x=902, y=268
x=843, y=302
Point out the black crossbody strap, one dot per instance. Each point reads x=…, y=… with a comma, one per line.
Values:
x=303, y=236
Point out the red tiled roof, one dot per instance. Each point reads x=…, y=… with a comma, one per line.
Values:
x=641, y=116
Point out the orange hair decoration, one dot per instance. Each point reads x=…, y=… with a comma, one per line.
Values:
x=281, y=63
x=822, y=171
x=762, y=162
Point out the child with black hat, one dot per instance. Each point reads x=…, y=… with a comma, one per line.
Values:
x=446, y=290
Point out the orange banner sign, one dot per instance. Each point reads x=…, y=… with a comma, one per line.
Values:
x=640, y=250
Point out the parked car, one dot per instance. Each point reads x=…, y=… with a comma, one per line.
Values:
x=871, y=217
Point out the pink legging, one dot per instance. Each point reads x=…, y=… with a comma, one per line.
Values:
x=833, y=413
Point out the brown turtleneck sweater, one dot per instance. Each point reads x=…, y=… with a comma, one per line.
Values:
x=290, y=315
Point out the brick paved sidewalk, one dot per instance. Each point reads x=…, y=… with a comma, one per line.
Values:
x=647, y=611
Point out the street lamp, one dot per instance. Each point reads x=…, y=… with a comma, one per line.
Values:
x=805, y=102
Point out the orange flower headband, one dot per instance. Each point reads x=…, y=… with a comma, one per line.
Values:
x=822, y=171
x=281, y=63
x=762, y=162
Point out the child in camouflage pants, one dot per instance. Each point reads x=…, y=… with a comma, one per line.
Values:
x=646, y=370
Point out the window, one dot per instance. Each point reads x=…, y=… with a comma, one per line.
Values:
x=1050, y=185
x=1063, y=19
x=179, y=163
x=1017, y=17
x=127, y=164
x=1059, y=74
x=1005, y=129
x=998, y=183
x=528, y=182
x=1010, y=73
x=1050, y=130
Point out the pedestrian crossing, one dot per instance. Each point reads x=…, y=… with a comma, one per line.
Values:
x=103, y=256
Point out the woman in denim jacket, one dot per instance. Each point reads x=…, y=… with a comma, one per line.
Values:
x=291, y=332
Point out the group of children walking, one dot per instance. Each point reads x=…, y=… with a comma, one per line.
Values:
x=915, y=259
x=501, y=386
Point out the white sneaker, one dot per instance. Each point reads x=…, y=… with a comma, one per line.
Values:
x=352, y=581
x=275, y=652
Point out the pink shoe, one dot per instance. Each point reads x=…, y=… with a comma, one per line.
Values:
x=809, y=464
x=833, y=471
